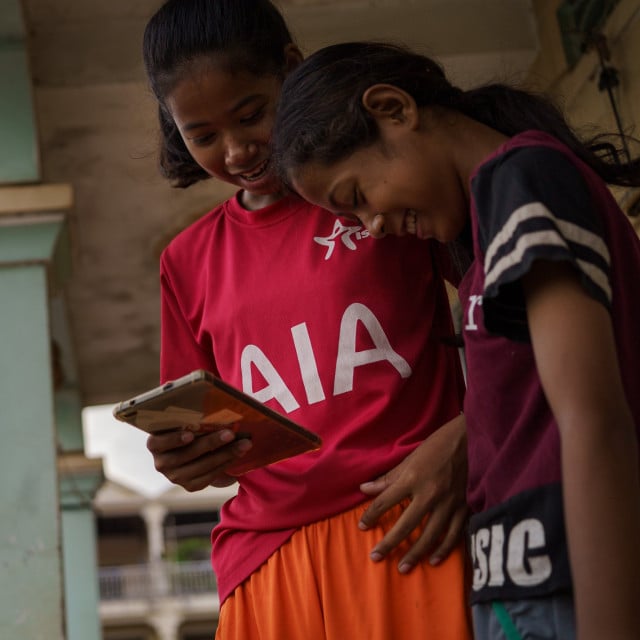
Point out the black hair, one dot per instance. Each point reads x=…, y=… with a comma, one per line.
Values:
x=321, y=117
x=247, y=35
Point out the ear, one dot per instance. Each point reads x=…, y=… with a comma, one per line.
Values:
x=292, y=57
x=386, y=102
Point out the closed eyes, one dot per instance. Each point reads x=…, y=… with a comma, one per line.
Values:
x=204, y=139
x=253, y=117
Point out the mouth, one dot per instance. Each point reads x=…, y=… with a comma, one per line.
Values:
x=257, y=173
x=410, y=221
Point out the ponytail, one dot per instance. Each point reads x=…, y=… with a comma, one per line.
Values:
x=511, y=111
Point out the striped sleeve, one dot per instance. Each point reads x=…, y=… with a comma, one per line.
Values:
x=534, y=204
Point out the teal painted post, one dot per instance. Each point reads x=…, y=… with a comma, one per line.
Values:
x=19, y=160
x=79, y=479
x=31, y=605
x=80, y=574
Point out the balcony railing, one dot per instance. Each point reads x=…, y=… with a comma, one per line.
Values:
x=164, y=579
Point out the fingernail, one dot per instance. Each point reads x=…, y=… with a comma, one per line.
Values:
x=243, y=446
x=226, y=435
x=405, y=567
x=376, y=556
x=187, y=436
x=366, y=485
x=362, y=526
x=433, y=561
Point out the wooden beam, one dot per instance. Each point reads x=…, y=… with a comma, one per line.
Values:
x=35, y=197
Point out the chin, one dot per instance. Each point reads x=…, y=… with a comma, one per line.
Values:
x=263, y=187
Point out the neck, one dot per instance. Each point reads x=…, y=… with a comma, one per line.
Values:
x=253, y=201
x=476, y=142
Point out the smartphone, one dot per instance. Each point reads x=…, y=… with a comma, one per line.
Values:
x=202, y=402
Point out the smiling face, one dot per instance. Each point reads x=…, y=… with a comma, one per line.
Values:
x=225, y=120
x=406, y=182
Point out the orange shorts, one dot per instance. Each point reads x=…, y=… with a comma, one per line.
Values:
x=321, y=585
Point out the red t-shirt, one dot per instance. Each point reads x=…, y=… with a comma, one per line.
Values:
x=336, y=330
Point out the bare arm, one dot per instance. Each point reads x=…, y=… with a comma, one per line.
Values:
x=434, y=478
x=575, y=354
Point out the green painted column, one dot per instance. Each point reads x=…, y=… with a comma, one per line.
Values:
x=19, y=160
x=48, y=568
x=81, y=586
x=31, y=605
x=80, y=478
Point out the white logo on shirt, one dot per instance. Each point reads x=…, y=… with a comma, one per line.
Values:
x=355, y=318
x=472, y=324
x=346, y=234
x=496, y=552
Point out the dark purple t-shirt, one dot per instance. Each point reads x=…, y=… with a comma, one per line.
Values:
x=532, y=199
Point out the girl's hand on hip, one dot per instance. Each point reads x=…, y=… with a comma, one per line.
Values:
x=195, y=462
x=434, y=479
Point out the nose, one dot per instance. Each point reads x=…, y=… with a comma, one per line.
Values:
x=375, y=225
x=238, y=151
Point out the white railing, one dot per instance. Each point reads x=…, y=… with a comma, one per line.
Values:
x=164, y=579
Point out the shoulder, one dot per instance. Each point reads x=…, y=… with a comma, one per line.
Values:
x=195, y=230
x=531, y=170
x=190, y=243
x=535, y=203
x=528, y=182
